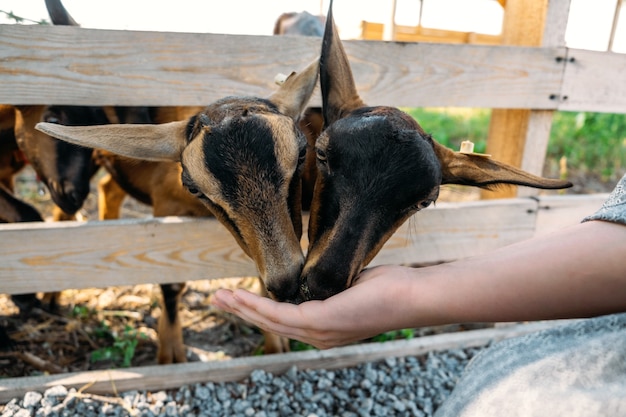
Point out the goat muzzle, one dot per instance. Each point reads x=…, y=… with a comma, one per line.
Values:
x=305, y=293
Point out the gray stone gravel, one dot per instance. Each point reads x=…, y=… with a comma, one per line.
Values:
x=407, y=386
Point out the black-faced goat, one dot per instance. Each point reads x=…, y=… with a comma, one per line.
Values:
x=376, y=168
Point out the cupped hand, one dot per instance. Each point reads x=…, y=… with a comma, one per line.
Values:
x=361, y=311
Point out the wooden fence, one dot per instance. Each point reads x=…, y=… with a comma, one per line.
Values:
x=75, y=66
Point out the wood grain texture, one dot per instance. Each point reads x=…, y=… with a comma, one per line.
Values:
x=458, y=230
x=594, y=81
x=70, y=65
x=74, y=255
x=160, y=377
x=557, y=212
x=524, y=22
x=49, y=256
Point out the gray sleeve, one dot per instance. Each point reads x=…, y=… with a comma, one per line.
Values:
x=614, y=208
x=576, y=369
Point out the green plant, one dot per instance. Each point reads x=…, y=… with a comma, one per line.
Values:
x=82, y=312
x=590, y=141
x=122, y=349
x=297, y=346
x=394, y=335
x=450, y=127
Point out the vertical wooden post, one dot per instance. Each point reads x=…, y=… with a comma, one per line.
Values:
x=520, y=136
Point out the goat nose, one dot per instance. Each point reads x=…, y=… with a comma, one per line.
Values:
x=285, y=286
x=67, y=196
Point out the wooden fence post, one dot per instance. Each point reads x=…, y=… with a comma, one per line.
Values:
x=520, y=136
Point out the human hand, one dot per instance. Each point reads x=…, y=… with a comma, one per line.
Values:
x=363, y=310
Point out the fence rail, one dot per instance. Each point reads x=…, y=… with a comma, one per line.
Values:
x=74, y=255
x=77, y=66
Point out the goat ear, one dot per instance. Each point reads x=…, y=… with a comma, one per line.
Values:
x=481, y=171
x=163, y=142
x=295, y=92
x=339, y=95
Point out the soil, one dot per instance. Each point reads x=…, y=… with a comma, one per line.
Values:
x=113, y=327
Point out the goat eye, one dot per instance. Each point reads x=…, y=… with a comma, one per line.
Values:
x=421, y=205
x=52, y=119
x=424, y=204
x=321, y=155
x=302, y=156
x=194, y=191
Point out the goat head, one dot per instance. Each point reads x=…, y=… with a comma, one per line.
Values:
x=376, y=168
x=242, y=157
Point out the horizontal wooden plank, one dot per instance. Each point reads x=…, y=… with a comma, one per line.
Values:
x=57, y=256
x=557, y=212
x=74, y=255
x=458, y=230
x=71, y=65
x=594, y=81
x=161, y=377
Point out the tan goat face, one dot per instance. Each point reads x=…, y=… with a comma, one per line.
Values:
x=244, y=161
x=376, y=168
x=241, y=156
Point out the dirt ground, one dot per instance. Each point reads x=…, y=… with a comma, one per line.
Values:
x=115, y=327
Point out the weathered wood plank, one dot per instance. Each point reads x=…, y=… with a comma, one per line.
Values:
x=161, y=377
x=71, y=65
x=458, y=230
x=557, y=212
x=74, y=255
x=56, y=256
x=594, y=81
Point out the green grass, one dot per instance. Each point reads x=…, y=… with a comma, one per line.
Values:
x=591, y=142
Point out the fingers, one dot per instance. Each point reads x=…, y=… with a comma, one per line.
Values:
x=263, y=312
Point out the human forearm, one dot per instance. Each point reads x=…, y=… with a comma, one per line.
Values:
x=576, y=272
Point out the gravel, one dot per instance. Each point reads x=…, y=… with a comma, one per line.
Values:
x=406, y=386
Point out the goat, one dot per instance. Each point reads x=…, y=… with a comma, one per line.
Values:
x=240, y=156
x=376, y=168
x=11, y=161
x=64, y=168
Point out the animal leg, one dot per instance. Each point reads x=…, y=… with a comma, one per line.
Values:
x=171, y=347
x=110, y=198
x=59, y=215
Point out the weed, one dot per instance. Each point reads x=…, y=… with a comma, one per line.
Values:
x=394, y=335
x=122, y=348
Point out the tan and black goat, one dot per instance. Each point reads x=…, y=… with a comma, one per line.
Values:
x=240, y=156
x=376, y=168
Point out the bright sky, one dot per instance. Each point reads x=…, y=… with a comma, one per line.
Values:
x=589, y=26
